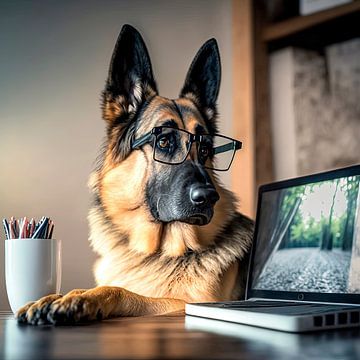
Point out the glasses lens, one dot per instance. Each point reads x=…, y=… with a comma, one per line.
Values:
x=171, y=146
x=223, y=152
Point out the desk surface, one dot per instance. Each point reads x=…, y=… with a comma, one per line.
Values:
x=170, y=337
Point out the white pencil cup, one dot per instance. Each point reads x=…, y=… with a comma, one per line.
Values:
x=32, y=270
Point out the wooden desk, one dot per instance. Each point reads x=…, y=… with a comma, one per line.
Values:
x=170, y=337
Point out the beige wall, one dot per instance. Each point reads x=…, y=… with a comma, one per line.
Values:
x=53, y=64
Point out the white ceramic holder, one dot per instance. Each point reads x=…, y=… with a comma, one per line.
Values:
x=32, y=270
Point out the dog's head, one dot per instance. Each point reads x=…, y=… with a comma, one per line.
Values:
x=132, y=108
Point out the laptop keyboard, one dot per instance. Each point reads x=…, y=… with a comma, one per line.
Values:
x=282, y=308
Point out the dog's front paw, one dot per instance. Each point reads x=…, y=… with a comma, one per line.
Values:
x=73, y=309
x=35, y=313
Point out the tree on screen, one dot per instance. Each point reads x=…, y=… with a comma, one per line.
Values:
x=327, y=236
x=352, y=189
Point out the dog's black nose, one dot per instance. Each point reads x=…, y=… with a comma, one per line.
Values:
x=200, y=194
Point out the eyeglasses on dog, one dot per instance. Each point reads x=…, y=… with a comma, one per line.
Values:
x=172, y=146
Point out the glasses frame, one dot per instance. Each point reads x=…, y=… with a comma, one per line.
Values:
x=156, y=131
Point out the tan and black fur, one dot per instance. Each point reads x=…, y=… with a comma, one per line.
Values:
x=157, y=249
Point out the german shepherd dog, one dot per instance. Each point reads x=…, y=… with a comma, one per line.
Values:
x=165, y=234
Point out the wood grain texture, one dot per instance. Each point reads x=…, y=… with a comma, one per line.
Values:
x=170, y=337
x=243, y=168
x=291, y=26
x=263, y=137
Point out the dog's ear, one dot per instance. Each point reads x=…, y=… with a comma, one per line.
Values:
x=203, y=81
x=130, y=81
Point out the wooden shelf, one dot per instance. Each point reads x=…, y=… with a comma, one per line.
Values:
x=283, y=29
x=312, y=32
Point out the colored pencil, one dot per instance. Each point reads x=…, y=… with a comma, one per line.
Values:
x=24, y=229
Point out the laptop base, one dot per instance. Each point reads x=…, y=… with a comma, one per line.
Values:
x=283, y=316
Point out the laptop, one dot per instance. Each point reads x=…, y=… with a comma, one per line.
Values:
x=304, y=271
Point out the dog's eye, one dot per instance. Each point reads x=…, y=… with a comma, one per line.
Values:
x=204, y=151
x=163, y=143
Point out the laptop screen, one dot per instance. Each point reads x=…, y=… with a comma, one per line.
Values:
x=308, y=235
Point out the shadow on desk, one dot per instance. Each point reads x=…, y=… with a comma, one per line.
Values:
x=170, y=337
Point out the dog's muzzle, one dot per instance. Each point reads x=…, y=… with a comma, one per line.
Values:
x=186, y=194
x=203, y=199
